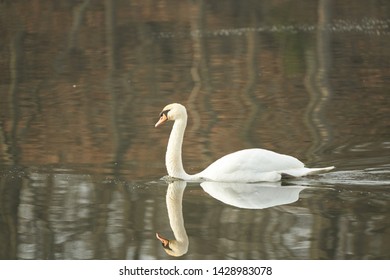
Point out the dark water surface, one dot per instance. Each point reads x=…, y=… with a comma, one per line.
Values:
x=81, y=87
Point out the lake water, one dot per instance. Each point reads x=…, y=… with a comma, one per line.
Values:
x=82, y=84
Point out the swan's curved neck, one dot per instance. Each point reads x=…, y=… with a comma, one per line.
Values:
x=173, y=160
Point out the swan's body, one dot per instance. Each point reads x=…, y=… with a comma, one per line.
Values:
x=250, y=165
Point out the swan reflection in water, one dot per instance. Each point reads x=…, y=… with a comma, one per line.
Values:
x=241, y=195
x=178, y=246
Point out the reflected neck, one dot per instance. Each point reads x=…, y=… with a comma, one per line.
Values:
x=174, y=200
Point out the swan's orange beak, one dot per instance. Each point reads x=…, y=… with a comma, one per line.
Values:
x=162, y=119
x=164, y=241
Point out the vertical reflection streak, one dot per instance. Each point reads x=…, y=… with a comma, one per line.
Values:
x=247, y=94
x=15, y=70
x=317, y=83
x=196, y=20
x=200, y=76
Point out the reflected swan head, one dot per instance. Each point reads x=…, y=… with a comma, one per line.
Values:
x=172, y=112
x=173, y=248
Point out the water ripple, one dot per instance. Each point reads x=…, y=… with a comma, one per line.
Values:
x=376, y=176
x=371, y=26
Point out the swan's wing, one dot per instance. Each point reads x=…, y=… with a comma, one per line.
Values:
x=251, y=165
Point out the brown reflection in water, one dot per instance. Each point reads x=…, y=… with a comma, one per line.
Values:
x=10, y=188
x=317, y=82
x=77, y=216
x=68, y=216
x=83, y=82
x=85, y=87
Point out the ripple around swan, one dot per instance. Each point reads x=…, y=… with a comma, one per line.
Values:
x=369, y=26
x=378, y=176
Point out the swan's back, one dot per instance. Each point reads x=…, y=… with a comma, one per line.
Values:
x=250, y=165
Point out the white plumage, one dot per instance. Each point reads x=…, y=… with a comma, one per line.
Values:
x=253, y=195
x=249, y=165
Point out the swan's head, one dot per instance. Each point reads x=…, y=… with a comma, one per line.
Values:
x=173, y=248
x=172, y=112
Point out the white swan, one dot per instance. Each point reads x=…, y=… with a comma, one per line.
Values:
x=250, y=165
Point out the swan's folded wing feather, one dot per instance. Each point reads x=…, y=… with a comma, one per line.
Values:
x=251, y=165
x=305, y=171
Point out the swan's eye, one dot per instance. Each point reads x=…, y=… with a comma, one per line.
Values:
x=164, y=113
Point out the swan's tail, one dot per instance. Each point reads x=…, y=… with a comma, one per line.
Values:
x=299, y=172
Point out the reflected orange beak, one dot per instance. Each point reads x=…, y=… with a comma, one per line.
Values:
x=164, y=241
x=162, y=119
